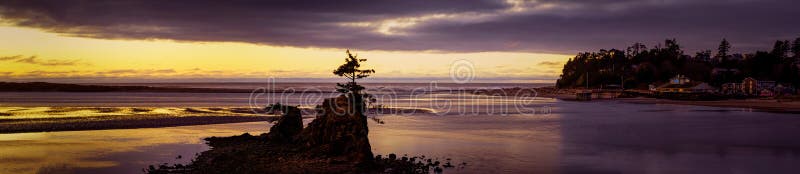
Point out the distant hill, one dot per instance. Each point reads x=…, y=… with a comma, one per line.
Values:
x=60, y=87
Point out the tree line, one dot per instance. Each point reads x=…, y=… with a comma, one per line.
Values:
x=637, y=66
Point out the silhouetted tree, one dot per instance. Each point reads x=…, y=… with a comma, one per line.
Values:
x=780, y=49
x=641, y=67
x=723, y=50
x=796, y=49
x=704, y=55
x=351, y=70
x=635, y=50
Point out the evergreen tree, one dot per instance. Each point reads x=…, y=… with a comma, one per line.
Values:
x=351, y=70
x=723, y=50
x=780, y=49
x=796, y=49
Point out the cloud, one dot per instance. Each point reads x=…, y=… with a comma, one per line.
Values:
x=36, y=61
x=550, y=63
x=554, y=26
x=154, y=73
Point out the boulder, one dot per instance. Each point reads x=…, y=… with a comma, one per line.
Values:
x=289, y=125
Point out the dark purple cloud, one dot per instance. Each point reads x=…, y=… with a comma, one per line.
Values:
x=557, y=26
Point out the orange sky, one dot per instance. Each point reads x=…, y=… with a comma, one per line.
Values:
x=29, y=54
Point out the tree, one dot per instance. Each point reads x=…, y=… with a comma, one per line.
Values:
x=635, y=50
x=351, y=70
x=780, y=49
x=796, y=49
x=723, y=50
x=704, y=55
x=673, y=48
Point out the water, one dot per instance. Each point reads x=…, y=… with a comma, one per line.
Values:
x=109, y=151
x=488, y=133
x=602, y=137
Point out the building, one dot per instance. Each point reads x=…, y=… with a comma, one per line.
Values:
x=766, y=85
x=751, y=86
x=681, y=84
x=732, y=88
x=679, y=79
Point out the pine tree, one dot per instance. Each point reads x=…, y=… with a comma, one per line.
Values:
x=351, y=70
x=723, y=50
x=796, y=49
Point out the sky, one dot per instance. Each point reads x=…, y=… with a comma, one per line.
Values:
x=496, y=40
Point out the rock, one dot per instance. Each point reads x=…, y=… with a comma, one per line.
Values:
x=335, y=142
x=288, y=126
x=338, y=130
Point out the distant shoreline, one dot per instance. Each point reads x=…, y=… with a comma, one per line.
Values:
x=766, y=105
x=61, y=87
x=212, y=88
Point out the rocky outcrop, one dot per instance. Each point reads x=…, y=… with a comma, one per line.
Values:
x=335, y=141
x=339, y=130
x=288, y=126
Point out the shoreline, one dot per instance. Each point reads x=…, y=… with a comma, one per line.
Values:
x=766, y=105
x=8, y=126
x=52, y=119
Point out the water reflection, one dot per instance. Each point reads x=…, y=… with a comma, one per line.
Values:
x=109, y=151
x=485, y=143
x=576, y=137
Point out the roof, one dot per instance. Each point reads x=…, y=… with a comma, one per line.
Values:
x=703, y=86
x=693, y=85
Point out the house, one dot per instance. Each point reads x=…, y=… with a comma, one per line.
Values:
x=732, y=88
x=766, y=84
x=753, y=87
x=679, y=79
x=750, y=86
x=695, y=87
x=681, y=84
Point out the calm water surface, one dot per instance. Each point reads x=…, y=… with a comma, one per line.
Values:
x=486, y=133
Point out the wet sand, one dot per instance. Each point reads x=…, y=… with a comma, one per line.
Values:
x=45, y=119
x=118, y=122
x=48, y=119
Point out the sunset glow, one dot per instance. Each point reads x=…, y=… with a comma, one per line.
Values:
x=119, y=60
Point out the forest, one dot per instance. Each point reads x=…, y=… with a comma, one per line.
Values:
x=637, y=66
